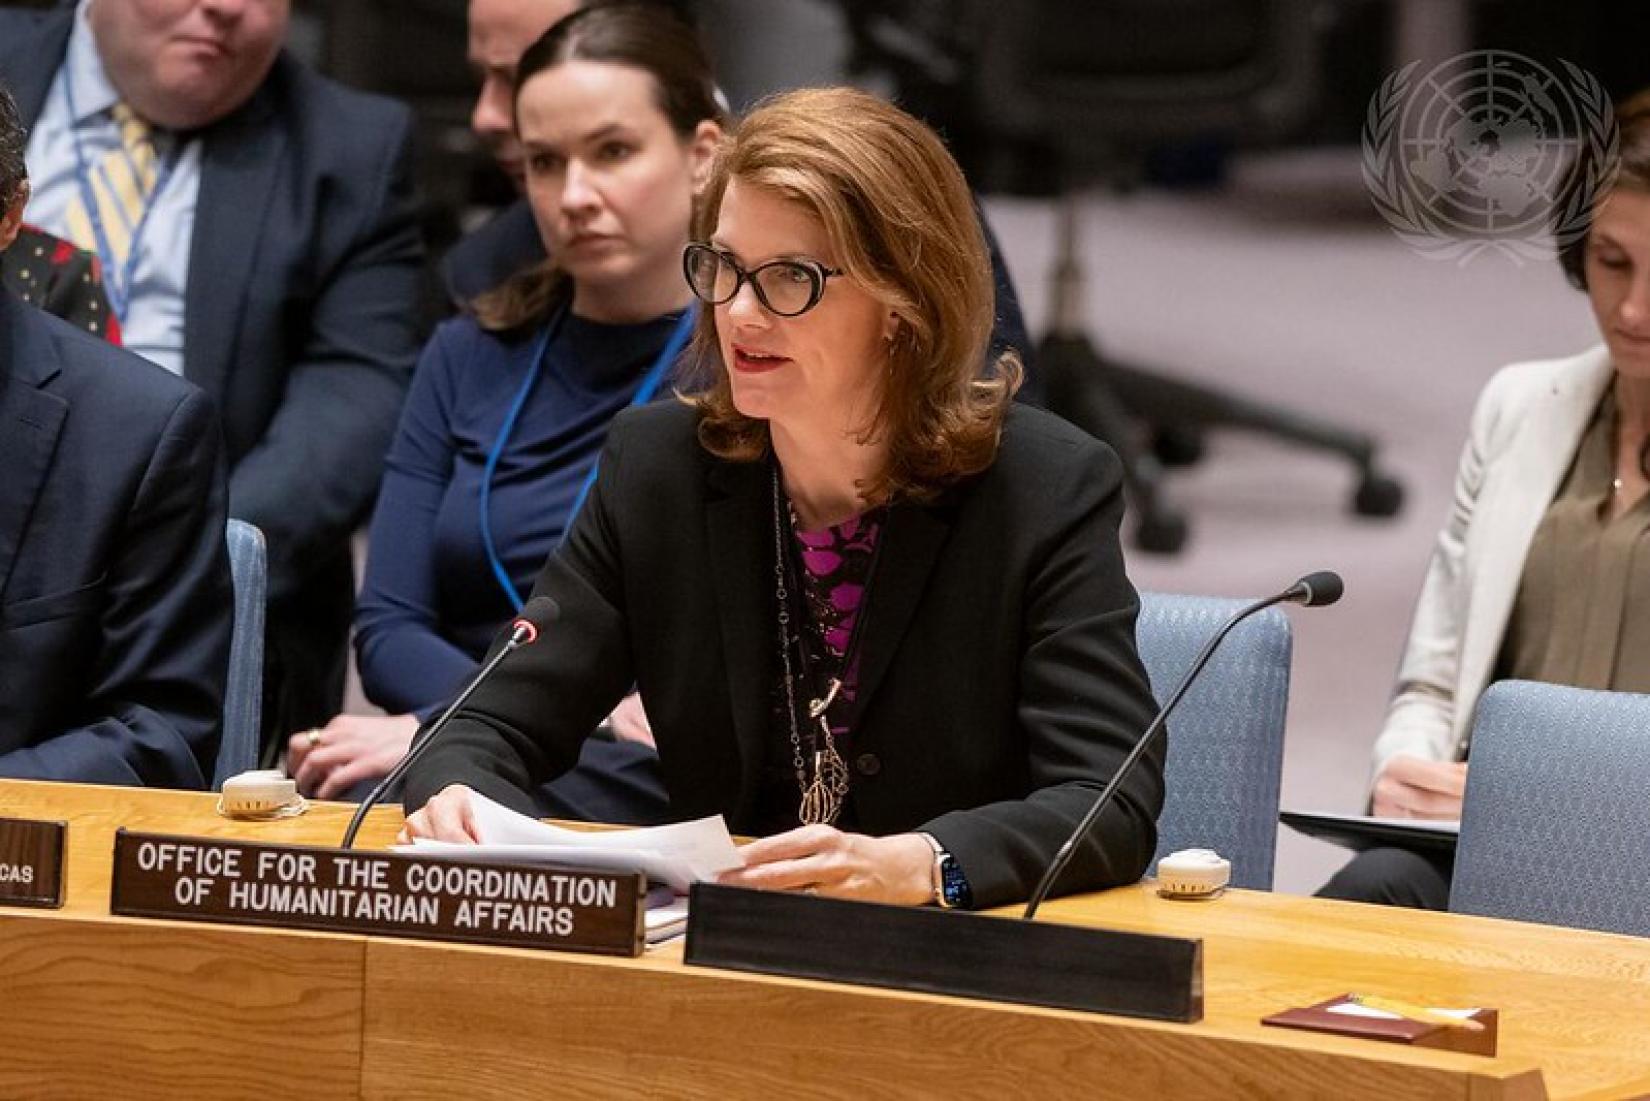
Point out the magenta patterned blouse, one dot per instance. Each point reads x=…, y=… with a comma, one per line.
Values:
x=836, y=565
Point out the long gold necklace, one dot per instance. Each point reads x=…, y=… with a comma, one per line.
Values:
x=824, y=787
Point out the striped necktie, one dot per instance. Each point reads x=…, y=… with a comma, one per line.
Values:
x=122, y=184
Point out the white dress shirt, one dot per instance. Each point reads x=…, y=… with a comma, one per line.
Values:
x=153, y=323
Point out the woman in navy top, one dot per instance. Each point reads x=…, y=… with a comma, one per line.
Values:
x=510, y=406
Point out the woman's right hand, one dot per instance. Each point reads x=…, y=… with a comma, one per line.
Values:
x=447, y=817
x=1413, y=787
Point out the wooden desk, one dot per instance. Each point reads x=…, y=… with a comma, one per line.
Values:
x=97, y=1005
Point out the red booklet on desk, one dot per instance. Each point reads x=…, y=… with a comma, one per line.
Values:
x=1345, y=1016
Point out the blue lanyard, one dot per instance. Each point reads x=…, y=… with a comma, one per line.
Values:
x=117, y=282
x=644, y=393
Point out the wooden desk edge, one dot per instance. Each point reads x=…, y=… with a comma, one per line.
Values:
x=1508, y=1076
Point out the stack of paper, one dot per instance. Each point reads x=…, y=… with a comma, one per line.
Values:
x=677, y=855
x=666, y=920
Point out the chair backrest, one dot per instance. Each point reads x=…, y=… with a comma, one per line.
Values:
x=1225, y=761
x=1556, y=824
x=243, y=699
x=1099, y=77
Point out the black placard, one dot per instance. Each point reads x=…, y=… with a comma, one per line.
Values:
x=378, y=893
x=946, y=952
x=31, y=862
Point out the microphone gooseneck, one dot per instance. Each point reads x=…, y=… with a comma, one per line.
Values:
x=1312, y=591
x=524, y=631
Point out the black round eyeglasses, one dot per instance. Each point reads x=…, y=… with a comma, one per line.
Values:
x=784, y=287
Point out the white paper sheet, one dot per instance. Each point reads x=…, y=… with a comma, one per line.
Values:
x=677, y=855
x=1353, y=1009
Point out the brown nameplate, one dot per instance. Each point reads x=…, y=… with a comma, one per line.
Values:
x=31, y=862
x=378, y=893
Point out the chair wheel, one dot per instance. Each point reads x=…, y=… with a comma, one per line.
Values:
x=1177, y=445
x=1378, y=495
x=1161, y=533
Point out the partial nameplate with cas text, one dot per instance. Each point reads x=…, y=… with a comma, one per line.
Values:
x=31, y=862
x=377, y=893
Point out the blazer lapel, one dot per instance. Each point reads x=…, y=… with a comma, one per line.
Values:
x=1512, y=505
x=739, y=523
x=30, y=422
x=739, y=520
x=911, y=541
x=238, y=170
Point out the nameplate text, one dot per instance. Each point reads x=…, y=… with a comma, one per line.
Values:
x=31, y=862
x=377, y=893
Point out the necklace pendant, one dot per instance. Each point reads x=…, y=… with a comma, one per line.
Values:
x=830, y=769
x=818, y=808
x=822, y=799
x=818, y=707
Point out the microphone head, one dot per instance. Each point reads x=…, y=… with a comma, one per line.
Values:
x=1318, y=589
x=540, y=612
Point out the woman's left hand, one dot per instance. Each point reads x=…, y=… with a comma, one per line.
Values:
x=824, y=860
x=329, y=761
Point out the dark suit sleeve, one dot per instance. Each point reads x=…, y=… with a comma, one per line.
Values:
x=309, y=479
x=1084, y=701
x=152, y=712
x=406, y=664
x=526, y=725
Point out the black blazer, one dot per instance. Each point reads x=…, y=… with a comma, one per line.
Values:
x=999, y=685
x=115, y=593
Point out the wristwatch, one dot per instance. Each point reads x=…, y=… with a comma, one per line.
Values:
x=951, y=890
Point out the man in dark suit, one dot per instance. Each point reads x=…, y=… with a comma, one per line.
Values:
x=277, y=269
x=115, y=592
x=499, y=33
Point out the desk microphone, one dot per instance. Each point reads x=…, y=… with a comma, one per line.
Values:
x=1312, y=591
x=540, y=612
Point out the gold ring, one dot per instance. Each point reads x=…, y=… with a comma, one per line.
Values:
x=313, y=736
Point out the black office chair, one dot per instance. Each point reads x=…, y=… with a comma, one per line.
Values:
x=1096, y=86
x=1102, y=83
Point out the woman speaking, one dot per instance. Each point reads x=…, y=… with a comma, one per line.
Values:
x=877, y=611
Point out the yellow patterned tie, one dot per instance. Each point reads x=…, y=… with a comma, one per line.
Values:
x=122, y=183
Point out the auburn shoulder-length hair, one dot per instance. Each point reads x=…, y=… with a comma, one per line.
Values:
x=902, y=223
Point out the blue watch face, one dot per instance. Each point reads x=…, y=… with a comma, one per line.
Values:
x=954, y=884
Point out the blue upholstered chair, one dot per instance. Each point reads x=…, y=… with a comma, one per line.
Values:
x=1226, y=738
x=243, y=699
x=1556, y=824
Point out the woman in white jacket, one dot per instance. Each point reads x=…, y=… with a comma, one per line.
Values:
x=1542, y=571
